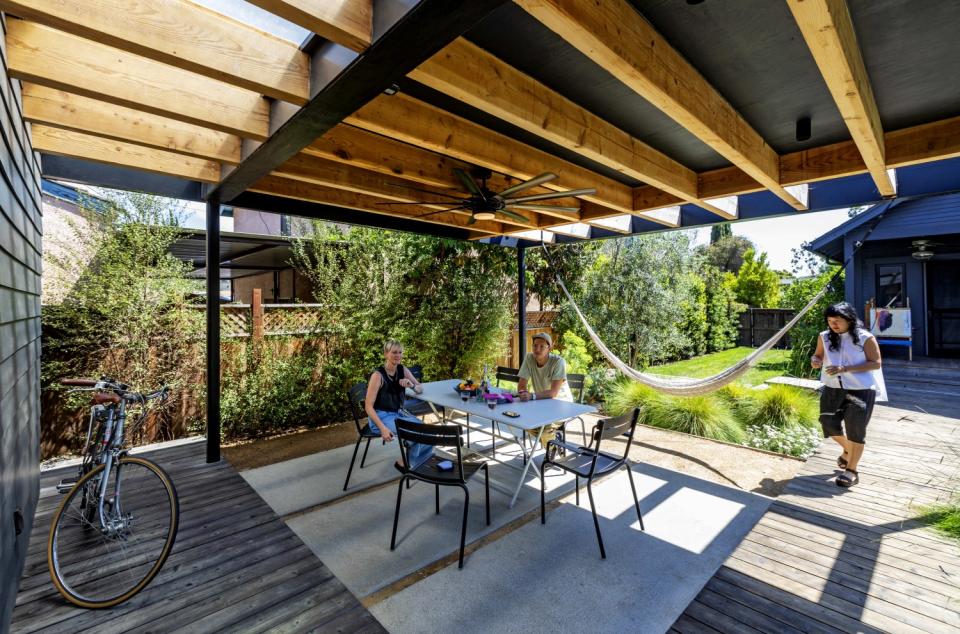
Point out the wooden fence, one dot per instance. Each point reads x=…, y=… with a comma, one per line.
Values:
x=257, y=319
x=759, y=324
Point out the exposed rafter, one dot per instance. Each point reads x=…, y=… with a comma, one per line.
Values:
x=51, y=107
x=828, y=29
x=615, y=36
x=286, y=188
x=468, y=73
x=183, y=35
x=346, y=22
x=92, y=148
x=404, y=118
x=45, y=56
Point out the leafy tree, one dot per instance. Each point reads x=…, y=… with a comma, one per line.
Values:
x=570, y=262
x=757, y=284
x=721, y=308
x=803, y=336
x=719, y=231
x=727, y=253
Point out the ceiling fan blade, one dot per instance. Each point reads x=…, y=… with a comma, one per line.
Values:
x=424, y=202
x=546, y=177
x=425, y=191
x=439, y=211
x=543, y=208
x=566, y=194
x=514, y=216
x=468, y=182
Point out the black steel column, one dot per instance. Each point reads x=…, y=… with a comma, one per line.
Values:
x=521, y=305
x=213, y=329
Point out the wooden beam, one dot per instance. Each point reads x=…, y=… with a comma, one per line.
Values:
x=935, y=141
x=286, y=188
x=93, y=148
x=346, y=22
x=337, y=176
x=466, y=72
x=51, y=107
x=183, y=35
x=828, y=29
x=44, y=56
x=615, y=36
x=417, y=123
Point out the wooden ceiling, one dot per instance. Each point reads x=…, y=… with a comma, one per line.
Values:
x=178, y=90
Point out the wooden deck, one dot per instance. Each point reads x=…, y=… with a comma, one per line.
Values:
x=235, y=567
x=825, y=559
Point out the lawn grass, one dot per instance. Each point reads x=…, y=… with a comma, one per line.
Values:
x=773, y=363
x=944, y=518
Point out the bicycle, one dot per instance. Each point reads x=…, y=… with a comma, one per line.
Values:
x=116, y=527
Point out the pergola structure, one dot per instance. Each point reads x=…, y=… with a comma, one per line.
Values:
x=678, y=113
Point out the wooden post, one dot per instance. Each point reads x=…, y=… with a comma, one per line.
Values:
x=256, y=307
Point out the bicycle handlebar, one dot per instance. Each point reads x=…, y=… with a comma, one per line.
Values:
x=109, y=385
x=79, y=382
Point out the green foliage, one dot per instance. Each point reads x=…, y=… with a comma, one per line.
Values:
x=720, y=231
x=449, y=302
x=121, y=317
x=803, y=336
x=799, y=442
x=722, y=310
x=944, y=518
x=727, y=253
x=625, y=394
x=695, y=323
x=780, y=406
x=573, y=349
x=570, y=262
x=757, y=284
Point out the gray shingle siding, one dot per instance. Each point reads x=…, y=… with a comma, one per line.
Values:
x=20, y=268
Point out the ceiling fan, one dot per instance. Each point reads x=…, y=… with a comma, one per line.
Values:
x=485, y=204
x=922, y=247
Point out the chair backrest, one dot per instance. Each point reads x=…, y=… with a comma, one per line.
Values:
x=576, y=383
x=428, y=434
x=623, y=425
x=356, y=396
x=416, y=371
x=507, y=374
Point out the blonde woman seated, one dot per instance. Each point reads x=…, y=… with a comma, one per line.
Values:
x=543, y=375
x=385, y=396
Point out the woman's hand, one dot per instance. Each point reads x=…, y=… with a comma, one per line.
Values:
x=406, y=383
x=833, y=370
x=386, y=434
x=816, y=362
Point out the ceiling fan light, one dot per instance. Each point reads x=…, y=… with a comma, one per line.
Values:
x=484, y=215
x=922, y=255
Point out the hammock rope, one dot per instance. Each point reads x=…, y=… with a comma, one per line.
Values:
x=684, y=386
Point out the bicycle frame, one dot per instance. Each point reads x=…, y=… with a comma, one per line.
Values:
x=113, y=437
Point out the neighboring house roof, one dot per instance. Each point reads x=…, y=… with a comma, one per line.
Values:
x=241, y=254
x=903, y=218
x=70, y=195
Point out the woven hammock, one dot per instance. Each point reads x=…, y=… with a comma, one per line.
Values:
x=683, y=386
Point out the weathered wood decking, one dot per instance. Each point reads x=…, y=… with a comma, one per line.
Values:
x=825, y=559
x=235, y=567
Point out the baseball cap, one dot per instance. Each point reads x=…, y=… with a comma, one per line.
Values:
x=545, y=336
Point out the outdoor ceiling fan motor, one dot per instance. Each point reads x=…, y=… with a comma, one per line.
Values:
x=922, y=253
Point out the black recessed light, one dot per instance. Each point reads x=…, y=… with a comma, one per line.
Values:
x=693, y=2
x=803, y=129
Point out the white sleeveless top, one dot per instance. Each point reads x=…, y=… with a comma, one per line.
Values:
x=851, y=354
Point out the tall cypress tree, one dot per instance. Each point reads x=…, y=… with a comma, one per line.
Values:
x=719, y=231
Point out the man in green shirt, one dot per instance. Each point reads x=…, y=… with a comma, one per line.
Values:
x=543, y=375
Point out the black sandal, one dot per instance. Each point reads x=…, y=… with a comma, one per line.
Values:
x=843, y=480
x=842, y=462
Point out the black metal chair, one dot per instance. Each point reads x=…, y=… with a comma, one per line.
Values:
x=356, y=395
x=464, y=468
x=589, y=462
x=414, y=405
x=507, y=374
x=576, y=382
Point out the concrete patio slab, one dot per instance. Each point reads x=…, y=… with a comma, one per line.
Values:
x=551, y=578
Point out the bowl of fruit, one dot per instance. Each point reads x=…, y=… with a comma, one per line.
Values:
x=467, y=387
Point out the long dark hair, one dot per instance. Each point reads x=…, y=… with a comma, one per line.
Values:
x=847, y=312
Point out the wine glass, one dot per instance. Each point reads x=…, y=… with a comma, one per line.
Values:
x=491, y=403
x=464, y=396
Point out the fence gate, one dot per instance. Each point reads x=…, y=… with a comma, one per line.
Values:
x=759, y=324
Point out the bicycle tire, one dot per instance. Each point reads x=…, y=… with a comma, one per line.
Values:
x=61, y=521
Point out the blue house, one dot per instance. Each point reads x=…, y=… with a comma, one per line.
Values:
x=912, y=253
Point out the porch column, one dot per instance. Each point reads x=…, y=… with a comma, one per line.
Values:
x=521, y=305
x=213, y=329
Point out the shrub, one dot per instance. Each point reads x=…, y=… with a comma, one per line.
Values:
x=625, y=394
x=599, y=385
x=793, y=441
x=757, y=284
x=781, y=407
x=803, y=336
x=573, y=349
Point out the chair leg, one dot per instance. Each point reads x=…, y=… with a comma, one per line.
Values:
x=396, y=514
x=596, y=522
x=636, y=502
x=463, y=531
x=576, y=482
x=486, y=486
x=356, y=447
x=543, y=496
x=438, y=498
x=365, y=450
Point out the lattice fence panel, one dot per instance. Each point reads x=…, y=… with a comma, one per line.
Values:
x=291, y=319
x=235, y=321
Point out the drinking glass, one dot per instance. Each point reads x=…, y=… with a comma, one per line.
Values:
x=491, y=403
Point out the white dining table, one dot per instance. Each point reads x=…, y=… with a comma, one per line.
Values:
x=532, y=415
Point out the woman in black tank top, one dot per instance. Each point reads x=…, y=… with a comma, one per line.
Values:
x=385, y=396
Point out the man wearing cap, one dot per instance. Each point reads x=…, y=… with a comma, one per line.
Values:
x=543, y=375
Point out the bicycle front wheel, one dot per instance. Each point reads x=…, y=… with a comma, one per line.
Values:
x=99, y=564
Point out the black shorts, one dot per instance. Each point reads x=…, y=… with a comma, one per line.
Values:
x=851, y=407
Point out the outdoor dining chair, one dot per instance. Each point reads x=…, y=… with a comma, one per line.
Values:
x=589, y=462
x=464, y=468
x=356, y=396
x=414, y=405
x=507, y=374
x=576, y=383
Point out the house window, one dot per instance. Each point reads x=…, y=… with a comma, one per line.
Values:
x=891, y=290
